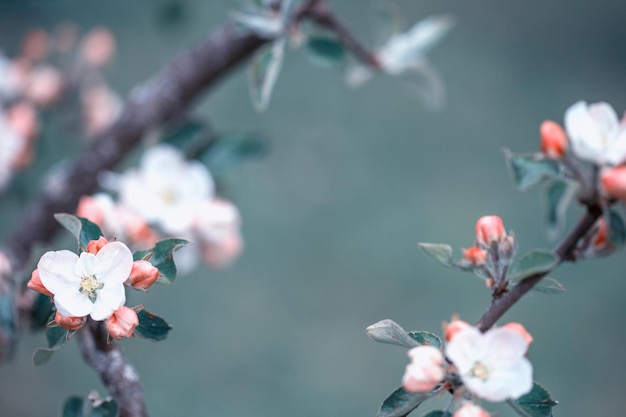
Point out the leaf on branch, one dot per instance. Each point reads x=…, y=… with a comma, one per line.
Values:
x=388, y=331
x=549, y=285
x=89, y=407
x=528, y=170
x=558, y=195
x=82, y=229
x=263, y=72
x=73, y=407
x=534, y=262
x=440, y=253
x=400, y=403
x=325, y=51
x=537, y=403
x=162, y=257
x=426, y=338
x=181, y=135
x=151, y=326
x=617, y=230
x=438, y=414
x=56, y=336
x=230, y=149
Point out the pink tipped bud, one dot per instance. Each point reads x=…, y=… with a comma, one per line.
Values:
x=98, y=47
x=452, y=328
x=553, y=139
x=35, y=284
x=143, y=275
x=613, y=182
x=122, y=323
x=489, y=230
x=470, y=410
x=476, y=256
x=70, y=323
x=425, y=371
x=95, y=245
x=521, y=330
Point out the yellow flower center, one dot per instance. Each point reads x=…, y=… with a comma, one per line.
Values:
x=89, y=285
x=169, y=196
x=480, y=370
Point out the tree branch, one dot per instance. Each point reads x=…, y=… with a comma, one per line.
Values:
x=564, y=251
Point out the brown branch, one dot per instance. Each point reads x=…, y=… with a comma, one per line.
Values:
x=118, y=376
x=564, y=252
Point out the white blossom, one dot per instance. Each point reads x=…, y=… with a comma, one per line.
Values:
x=595, y=133
x=11, y=146
x=492, y=365
x=87, y=284
x=425, y=371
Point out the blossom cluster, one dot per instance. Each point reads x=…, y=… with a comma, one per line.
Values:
x=48, y=69
x=168, y=195
x=92, y=284
x=474, y=365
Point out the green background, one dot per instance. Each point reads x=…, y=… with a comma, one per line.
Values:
x=332, y=216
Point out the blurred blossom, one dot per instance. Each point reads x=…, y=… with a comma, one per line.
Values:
x=596, y=134
x=12, y=147
x=13, y=75
x=166, y=189
x=217, y=224
x=553, y=139
x=470, y=410
x=44, y=85
x=101, y=107
x=425, y=371
x=98, y=47
x=35, y=45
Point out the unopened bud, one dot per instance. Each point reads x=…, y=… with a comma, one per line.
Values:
x=452, y=328
x=35, y=284
x=521, y=330
x=143, y=275
x=95, y=245
x=507, y=249
x=475, y=256
x=613, y=182
x=70, y=323
x=489, y=230
x=122, y=323
x=553, y=139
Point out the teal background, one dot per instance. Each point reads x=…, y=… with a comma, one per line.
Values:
x=332, y=216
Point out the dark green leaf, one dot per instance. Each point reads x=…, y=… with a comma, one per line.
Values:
x=163, y=257
x=325, y=51
x=617, y=234
x=537, y=403
x=185, y=133
x=263, y=72
x=558, y=195
x=82, y=229
x=388, y=331
x=57, y=337
x=426, y=338
x=151, y=326
x=535, y=261
x=41, y=312
x=73, y=407
x=438, y=414
x=231, y=149
x=104, y=408
x=440, y=253
x=528, y=170
x=400, y=403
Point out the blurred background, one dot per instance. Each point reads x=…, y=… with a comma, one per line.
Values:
x=332, y=216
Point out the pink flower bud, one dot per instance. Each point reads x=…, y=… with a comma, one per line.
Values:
x=476, y=256
x=613, y=182
x=90, y=209
x=470, y=410
x=489, y=230
x=143, y=274
x=553, y=139
x=425, y=371
x=452, y=328
x=95, y=245
x=35, y=284
x=122, y=323
x=521, y=330
x=70, y=323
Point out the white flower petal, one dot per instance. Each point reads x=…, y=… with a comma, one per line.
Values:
x=70, y=302
x=117, y=261
x=616, y=152
x=583, y=133
x=110, y=298
x=88, y=264
x=56, y=270
x=605, y=118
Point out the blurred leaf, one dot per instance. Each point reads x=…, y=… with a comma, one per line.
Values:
x=400, y=403
x=41, y=312
x=537, y=403
x=180, y=135
x=82, y=229
x=151, y=326
x=438, y=414
x=263, y=72
x=617, y=233
x=73, y=407
x=558, y=195
x=8, y=326
x=77, y=407
x=104, y=408
x=263, y=23
x=388, y=331
x=535, y=261
x=387, y=20
x=325, y=51
x=231, y=149
x=163, y=257
x=549, y=285
x=440, y=253
x=57, y=337
x=528, y=170
x=409, y=47
x=425, y=338
x=171, y=14
x=425, y=83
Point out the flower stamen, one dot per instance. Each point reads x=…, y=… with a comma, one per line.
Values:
x=480, y=371
x=89, y=285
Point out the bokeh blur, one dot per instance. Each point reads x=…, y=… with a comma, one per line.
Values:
x=332, y=215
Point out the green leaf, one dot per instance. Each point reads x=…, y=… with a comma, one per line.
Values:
x=151, y=326
x=549, y=285
x=617, y=230
x=528, y=170
x=163, y=257
x=263, y=72
x=400, y=403
x=426, y=338
x=231, y=149
x=180, y=135
x=104, y=408
x=56, y=336
x=438, y=414
x=537, y=403
x=534, y=262
x=558, y=195
x=82, y=229
x=325, y=51
x=440, y=253
x=73, y=407
x=388, y=331
x=41, y=312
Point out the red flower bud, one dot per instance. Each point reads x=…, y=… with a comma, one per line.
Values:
x=489, y=230
x=613, y=182
x=95, y=245
x=122, y=323
x=35, y=284
x=476, y=256
x=519, y=329
x=452, y=328
x=70, y=323
x=143, y=275
x=553, y=139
